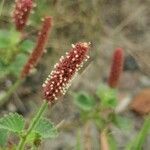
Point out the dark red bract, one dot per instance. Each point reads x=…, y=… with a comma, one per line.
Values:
x=39, y=48
x=116, y=67
x=60, y=78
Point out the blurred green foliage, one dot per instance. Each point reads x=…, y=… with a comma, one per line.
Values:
x=108, y=96
x=112, y=142
x=8, y=45
x=122, y=122
x=13, y=52
x=101, y=108
x=84, y=101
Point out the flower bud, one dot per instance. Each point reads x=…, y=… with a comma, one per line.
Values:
x=116, y=68
x=21, y=13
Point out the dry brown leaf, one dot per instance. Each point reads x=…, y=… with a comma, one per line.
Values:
x=141, y=102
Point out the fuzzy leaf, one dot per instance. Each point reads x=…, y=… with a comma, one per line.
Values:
x=108, y=96
x=45, y=129
x=84, y=101
x=3, y=137
x=12, y=122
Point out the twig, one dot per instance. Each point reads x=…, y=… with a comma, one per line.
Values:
x=103, y=140
x=60, y=124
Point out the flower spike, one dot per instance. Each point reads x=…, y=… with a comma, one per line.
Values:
x=21, y=13
x=60, y=78
x=116, y=67
x=39, y=48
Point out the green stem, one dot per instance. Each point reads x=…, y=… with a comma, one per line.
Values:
x=12, y=89
x=79, y=145
x=137, y=143
x=1, y=7
x=33, y=124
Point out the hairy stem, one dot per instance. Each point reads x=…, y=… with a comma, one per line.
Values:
x=12, y=89
x=32, y=125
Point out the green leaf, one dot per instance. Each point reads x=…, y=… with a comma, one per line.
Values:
x=12, y=122
x=27, y=46
x=4, y=39
x=45, y=129
x=18, y=64
x=9, y=38
x=84, y=101
x=14, y=37
x=3, y=137
x=121, y=122
x=108, y=96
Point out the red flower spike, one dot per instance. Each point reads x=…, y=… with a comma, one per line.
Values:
x=39, y=48
x=60, y=78
x=21, y=13
x=116, y=67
